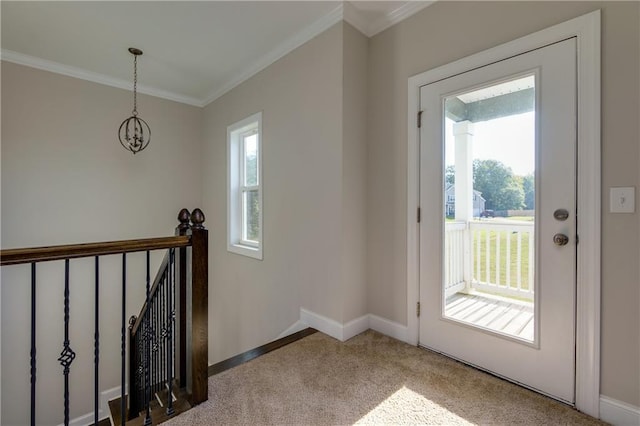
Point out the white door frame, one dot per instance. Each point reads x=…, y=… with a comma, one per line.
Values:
x=586, y=29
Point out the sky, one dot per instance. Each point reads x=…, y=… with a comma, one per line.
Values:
x=510, y=140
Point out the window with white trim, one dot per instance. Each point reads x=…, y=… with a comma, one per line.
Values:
x=244, y=168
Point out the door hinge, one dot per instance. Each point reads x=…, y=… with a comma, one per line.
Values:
x=419, y=215
x=419, y=119
x=418, y=309
x=577, y=239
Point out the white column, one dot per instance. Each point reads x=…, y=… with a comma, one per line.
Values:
x=463, y=133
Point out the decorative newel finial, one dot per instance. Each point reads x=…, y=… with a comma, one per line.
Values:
x=183, y=218
x=197, y=219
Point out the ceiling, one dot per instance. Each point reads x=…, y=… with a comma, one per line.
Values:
x=194, y=51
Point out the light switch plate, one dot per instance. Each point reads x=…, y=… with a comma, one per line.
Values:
x=622, y=200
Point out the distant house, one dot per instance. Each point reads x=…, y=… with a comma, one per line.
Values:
x=450, y=201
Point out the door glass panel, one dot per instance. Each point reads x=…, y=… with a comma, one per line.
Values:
x=489, y=199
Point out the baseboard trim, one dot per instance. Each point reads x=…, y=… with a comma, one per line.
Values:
x=355, y=327
x=234, y=361
x=618, y=413
x=333, y=328
x=389, y=328
x=321, y=323
x=87, y=419
x=346, y=331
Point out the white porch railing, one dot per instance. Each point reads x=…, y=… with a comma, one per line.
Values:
x=499, y=258
x=454, y=269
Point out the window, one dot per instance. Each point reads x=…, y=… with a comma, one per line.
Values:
x=244, y=217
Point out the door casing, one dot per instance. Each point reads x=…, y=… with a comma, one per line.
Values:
x=586, y=29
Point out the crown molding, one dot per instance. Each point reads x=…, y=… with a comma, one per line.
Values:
x=58, y=68
x=354, y=17
x=370, y=28
x=344, y=11
x=397, y=15
x=318, y=27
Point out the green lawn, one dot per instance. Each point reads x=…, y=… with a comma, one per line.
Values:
x=506, y=259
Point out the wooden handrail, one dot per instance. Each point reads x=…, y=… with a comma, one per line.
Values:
x=73, y=251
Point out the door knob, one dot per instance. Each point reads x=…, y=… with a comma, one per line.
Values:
x=560, y=240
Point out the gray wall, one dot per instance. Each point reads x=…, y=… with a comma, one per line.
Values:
x=250, y=301
x=67, y=179
x=447, y=31
x=354, y=173
x=314, y=197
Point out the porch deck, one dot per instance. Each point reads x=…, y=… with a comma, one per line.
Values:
x=496, y=313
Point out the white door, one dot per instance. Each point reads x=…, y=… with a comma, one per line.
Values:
x=498, y=229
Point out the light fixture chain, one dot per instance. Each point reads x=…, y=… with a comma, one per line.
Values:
x=134, y=133
x=135, y=85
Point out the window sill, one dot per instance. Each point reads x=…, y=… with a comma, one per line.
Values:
x=254, y=252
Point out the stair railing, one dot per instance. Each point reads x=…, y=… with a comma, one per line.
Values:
x=160, y=304
x=151, y=343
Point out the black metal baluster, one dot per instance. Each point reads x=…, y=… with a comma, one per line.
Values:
x=160, y=334
x=156, y=368
x=96, y=344
x=33, y=344
x=167, y=312
x=175, y=282
x=141, y=389
x=143, y=361
x=170, y=315
x=152, y=364
x=135, y=367
x=123, y=404
x=163, y=335
x=147, y=385
x=154, y=351
x=67, y=355
x=159, y=366
x=167, y=316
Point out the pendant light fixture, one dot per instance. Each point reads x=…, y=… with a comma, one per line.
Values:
x=134, y=132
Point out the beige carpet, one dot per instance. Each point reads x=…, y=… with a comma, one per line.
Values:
x=370, y=379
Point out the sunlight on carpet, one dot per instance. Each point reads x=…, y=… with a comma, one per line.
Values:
x=369, y=379
x=408, y=407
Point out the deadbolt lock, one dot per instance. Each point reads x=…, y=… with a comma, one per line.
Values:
x=561, y=214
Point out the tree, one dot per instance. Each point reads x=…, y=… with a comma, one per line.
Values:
x=529, y=188
x=499, y=187
x=450, y=175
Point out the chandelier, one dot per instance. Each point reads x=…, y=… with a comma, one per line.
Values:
x=134, y=132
